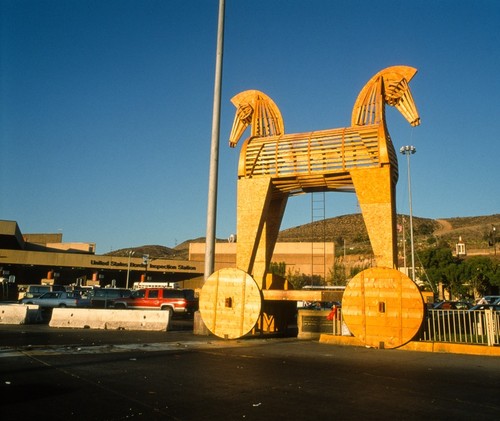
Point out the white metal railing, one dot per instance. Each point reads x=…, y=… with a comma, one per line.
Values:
x=477, y=327
x=462, y=326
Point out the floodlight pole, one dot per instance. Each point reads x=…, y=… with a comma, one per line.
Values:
x=494, y=239
x=410, y=150
x=130, y=253
x=214, y=151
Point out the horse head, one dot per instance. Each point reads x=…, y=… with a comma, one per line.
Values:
x=255, y=109
x=389, y=86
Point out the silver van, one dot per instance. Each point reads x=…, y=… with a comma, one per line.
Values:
x=105, y=297
x=34, y=291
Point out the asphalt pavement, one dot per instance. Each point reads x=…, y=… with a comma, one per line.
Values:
x=87, y=374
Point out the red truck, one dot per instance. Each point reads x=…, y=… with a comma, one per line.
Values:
x=176, y=301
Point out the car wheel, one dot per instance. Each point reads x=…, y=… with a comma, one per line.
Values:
x=120, y=306
x=62, y=305
x=170, y=311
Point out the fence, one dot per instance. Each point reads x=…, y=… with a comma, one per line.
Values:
x=462, y=326
x=478, y=327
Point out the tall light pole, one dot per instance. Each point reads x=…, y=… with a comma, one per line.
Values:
x=130, y=254
x=214, y=150
x=410, y=150
x=494, y=239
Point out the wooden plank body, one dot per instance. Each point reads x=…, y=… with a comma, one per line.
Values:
x=383, y=307
x=230, y=303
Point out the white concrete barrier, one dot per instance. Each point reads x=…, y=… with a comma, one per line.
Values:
x=18, y=314
x=89, y=318
x=199, y=327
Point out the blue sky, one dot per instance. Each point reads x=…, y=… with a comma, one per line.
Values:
x=106, y=106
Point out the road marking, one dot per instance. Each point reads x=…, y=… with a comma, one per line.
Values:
x=9, y=352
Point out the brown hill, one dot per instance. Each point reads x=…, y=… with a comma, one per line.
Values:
x=475, y=231
x=154, y=252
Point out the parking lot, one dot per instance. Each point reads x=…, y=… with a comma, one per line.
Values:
x=115, y=375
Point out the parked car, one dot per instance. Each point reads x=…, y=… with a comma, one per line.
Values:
x=105, y=297
x=176, y=301
x=452, y=305
x=35, y=291
x=494, y=307
x=489, y=299
x=452, y=323
x=53, y=299
x=319, y=305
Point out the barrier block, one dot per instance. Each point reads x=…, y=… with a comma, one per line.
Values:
x=13, y=314
x=199, y=327
x=89, y=318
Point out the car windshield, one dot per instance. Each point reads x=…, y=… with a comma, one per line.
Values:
x=173, y=293
x=486, y=307
x=140, y=293
x=49, y=295
x=189, y=294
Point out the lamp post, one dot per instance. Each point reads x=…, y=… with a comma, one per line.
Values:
x=410, y=150
x=494, y=239
x=145, y=262
x=214, y=150
x=130, y=254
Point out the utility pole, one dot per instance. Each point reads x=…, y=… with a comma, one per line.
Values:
x=410, y=150
x=214, y=151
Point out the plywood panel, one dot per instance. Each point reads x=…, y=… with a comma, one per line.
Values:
x=230, y=303
x=383, y=307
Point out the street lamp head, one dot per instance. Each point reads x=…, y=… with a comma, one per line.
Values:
x=408, y=149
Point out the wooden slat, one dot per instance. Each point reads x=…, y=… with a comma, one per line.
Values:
x=306, y=155
x=230, y=303
x=383, y=307
x=301, y=295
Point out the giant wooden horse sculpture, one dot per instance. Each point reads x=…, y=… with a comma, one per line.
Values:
x=361, y=158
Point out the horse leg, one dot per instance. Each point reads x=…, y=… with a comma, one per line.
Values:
x=376, y=195
x=260, y=210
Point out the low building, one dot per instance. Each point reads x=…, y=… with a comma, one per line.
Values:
x=299, y=257
x=45, y=258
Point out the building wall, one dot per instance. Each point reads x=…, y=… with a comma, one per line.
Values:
x=73, y=247
x=32, y=266
x=298, y=257
x=43, y=238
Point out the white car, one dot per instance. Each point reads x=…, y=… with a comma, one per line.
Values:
x=58, y=299
x=489, y=299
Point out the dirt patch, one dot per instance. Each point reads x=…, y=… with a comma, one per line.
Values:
x=444, y=227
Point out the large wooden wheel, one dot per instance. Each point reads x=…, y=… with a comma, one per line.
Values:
x=383, y=307
x=230, y=303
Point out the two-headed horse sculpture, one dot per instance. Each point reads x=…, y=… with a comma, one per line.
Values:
x=361, y=159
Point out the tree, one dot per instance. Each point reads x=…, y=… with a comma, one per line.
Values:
x=337, y=273
x=300, y=280
x=278, y=268
x=441, y=266
x=473, y=276
x=482, y=273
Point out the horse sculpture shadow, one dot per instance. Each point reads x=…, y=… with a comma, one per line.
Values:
x=361, y=159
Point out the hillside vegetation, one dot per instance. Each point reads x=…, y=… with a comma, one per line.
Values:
x=350, y=230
